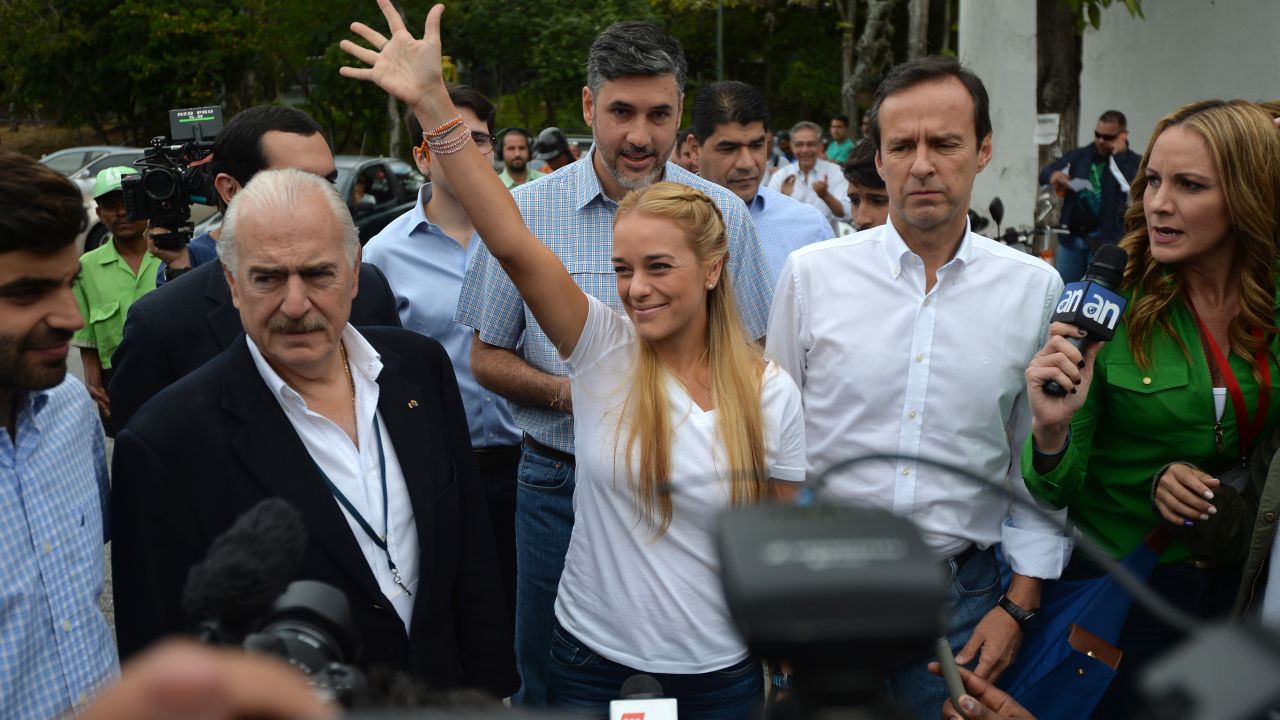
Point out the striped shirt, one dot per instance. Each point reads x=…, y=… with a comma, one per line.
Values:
x=56, y=649
x=569, y=211
x=785, y=224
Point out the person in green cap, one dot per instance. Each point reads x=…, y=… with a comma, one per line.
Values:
x=111, y=278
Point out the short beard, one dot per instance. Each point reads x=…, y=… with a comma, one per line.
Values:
x=628, y=182
x=14, y=373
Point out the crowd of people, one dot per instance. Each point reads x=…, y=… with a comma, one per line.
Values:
x=510, y=421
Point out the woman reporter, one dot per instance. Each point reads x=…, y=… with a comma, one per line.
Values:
x=677, y=415
x=1157, y=423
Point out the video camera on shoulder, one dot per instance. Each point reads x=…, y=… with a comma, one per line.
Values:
x=172, y=177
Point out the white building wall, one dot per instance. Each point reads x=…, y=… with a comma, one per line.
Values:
x=1184, y=50
x=998, y=42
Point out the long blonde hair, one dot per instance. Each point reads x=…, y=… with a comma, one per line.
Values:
x=1245, y=147
x=734, y=359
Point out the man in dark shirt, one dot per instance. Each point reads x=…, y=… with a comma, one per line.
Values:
x=1094, y=213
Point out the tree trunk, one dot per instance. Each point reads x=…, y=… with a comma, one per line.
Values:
x=1058, y=65
x=874, y=51
x=848, y=24
x=917, y=29
x=393, y=125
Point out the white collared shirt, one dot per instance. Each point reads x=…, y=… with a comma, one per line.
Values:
x=826, y=170
x=355, y=471
x=885, y=367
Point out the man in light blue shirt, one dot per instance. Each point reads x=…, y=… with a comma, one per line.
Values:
x=424, y=255
x=730, y=121
x=633, y=99
x=56, y=649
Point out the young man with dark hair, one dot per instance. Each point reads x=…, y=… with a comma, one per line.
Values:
x=632, y=101
x=878, y=329
x=56, y=649
x=424, y=254
x=171, y=332
x=729, y=143
x=841, y=144
x=1093, y=210
x=513, y=144
x=868, y=200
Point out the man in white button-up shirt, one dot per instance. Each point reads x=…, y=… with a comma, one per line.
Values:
x=362, y=431
x=810, y=179
x=912, y=339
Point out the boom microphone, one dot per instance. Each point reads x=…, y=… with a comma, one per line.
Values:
x=246, y=569
x=1092, y=304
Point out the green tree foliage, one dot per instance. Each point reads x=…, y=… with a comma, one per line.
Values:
x=118, y=66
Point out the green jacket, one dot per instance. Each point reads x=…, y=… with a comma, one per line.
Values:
x=1262, y=504
x=1136, y=422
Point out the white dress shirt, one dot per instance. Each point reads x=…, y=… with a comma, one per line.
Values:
x=837, y=186
x=355, y=470
x=885, y=367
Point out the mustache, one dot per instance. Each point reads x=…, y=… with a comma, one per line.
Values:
x=47, y=337
x=642, y=150
x=309, y=323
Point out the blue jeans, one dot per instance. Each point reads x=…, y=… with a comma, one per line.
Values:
x=974, y=589
x=544, y=522
x=1072, y=257
x=583, y=682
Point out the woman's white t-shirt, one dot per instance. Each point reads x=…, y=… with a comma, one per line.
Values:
x=655, y=605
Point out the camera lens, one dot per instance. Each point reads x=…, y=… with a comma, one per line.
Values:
x=160, y=184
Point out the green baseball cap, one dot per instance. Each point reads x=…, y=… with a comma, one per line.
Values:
x=109, y=180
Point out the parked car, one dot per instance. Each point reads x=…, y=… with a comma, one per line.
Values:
x=377, y=190
x=389, y=189
x=69, y=160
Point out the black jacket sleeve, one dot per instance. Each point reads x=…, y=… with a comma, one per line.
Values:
x=140, y=368
x=153, y=545
x=375, y=304
x=484, y=629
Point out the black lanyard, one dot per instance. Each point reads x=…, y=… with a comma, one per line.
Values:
x=379, y=540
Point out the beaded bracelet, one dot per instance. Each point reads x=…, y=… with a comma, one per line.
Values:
x=443, y=129
x=450, y=145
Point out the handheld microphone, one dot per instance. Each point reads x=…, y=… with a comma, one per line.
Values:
x=1092, y=304
x=246, y=569
x=642, y=700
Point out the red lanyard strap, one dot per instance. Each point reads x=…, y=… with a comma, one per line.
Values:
x=1248, y=429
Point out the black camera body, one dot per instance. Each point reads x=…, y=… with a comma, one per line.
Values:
x=172, y=177
x=310, y=627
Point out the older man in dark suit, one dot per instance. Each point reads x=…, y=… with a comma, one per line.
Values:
x=191, y=319
x=362, y=431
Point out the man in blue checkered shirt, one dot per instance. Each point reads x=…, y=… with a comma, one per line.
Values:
x=633, y=101
x=55, y=646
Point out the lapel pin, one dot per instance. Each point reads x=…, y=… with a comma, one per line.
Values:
x=413, y=404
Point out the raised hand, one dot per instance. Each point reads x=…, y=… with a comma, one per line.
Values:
x=405, y=67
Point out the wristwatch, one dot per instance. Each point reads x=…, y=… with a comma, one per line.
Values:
x=1019, y=613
